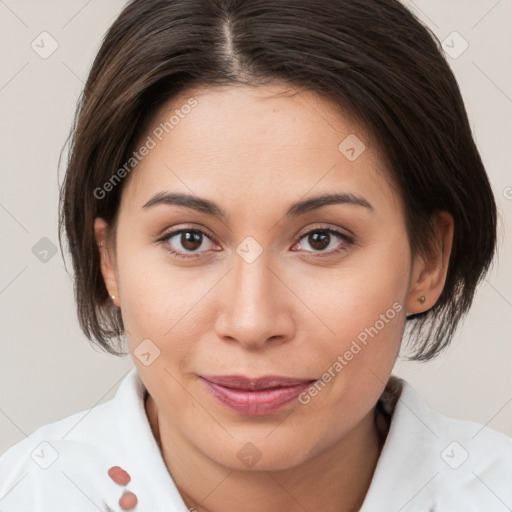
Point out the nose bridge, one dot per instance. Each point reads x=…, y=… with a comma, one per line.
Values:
x=255, y=307
x=252, y=284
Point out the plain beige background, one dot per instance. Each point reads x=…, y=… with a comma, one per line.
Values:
x=48, y=370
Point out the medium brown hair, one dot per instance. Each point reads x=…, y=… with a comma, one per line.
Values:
x=373, y=58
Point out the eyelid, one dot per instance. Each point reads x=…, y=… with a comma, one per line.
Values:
x=166, y=236
x=347, y=241
x=336, y=230
x=176, y=231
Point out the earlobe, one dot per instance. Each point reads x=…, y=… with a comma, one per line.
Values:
x=429, y=273
x=107, y=261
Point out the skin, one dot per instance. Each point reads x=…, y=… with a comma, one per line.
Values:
x=290, y=312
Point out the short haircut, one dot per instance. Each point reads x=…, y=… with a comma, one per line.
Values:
x=373, y=58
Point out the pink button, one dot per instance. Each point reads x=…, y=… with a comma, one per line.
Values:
x=119, y=475
x=128, y=500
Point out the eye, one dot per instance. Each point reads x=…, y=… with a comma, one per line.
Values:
x=321, y=239
x=191, y=242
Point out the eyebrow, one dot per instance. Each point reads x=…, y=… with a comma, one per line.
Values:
x=210, y=208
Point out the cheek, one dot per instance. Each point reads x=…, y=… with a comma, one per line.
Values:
x=363, y=304
x=154, y=303
x=154, y=295
x=353, y=365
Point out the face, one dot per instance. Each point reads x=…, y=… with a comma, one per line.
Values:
x=313, y=298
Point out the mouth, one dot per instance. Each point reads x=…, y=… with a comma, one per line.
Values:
x=255, y=396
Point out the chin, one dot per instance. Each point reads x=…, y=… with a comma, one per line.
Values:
x=260, y=455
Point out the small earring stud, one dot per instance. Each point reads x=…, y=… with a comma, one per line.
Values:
x=422, y=299
x=113, y=297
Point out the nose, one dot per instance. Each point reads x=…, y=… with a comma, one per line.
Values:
x=257, y=305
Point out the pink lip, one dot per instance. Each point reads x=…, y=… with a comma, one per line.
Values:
x=255, y=396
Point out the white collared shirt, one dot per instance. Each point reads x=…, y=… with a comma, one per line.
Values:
x=429, y=462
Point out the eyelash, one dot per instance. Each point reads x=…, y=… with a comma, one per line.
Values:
x=348, y=241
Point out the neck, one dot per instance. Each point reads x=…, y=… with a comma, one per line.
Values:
x=338, y=478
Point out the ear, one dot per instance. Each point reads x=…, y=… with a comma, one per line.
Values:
x=107, y=259
x=429, y=273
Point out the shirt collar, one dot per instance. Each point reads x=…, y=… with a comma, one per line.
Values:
x=405, y=477
x=143, y=459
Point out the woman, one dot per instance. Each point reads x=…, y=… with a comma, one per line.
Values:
x=260, y=197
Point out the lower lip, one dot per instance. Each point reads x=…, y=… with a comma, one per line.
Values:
x=255, y=403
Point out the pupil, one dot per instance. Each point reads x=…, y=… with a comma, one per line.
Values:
x=191, y=240
x=319, y=240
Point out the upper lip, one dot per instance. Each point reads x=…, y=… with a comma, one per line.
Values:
x=254, y=383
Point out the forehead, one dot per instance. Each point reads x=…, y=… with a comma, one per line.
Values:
x=251, y=117
x=264, y=141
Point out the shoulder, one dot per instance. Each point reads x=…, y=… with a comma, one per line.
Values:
x=474, y=462
x=64, y=463
x=433, y=460
x=484, y=445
